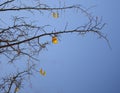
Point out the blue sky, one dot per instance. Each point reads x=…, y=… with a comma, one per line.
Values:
x=84, y=64
x=81, y=64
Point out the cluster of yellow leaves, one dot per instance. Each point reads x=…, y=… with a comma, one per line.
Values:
x=54, y=40
x=55, y=15
x=42, y=72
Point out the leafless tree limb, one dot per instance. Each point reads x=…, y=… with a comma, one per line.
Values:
x=23, y=39
x=15, y=80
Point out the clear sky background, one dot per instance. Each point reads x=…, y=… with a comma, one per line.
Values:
x=81, y=64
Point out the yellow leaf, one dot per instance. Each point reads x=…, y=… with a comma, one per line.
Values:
x=54, y=40
x=16, y=89
x=42, y=72
x=55, y=14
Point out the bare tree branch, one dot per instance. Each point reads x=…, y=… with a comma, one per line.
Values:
x=6, y=2
x=22, y=38
x=15, y=80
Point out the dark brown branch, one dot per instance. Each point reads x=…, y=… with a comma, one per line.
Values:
x=16, y=79
x=7, y=2
x=39, y=8
x=52, y=33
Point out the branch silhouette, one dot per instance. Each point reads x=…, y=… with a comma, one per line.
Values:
x=22, y=39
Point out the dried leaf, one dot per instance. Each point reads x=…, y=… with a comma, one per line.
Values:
x=42, y=72
x=54, y=40
x=55, y=15
x=16, y=89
